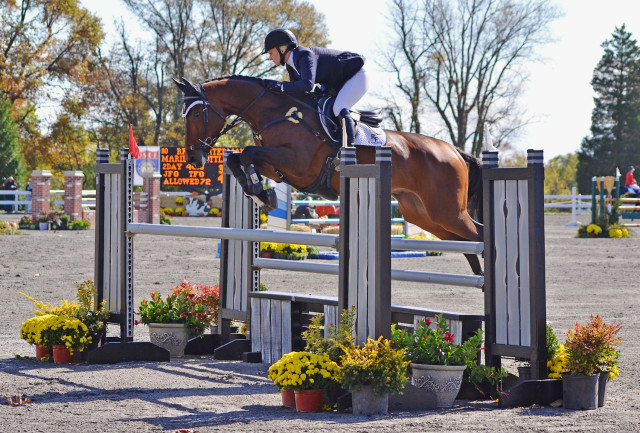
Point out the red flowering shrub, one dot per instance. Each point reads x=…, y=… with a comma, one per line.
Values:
x=196, y=307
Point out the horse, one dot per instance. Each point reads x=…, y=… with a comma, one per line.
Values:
x=437, y=185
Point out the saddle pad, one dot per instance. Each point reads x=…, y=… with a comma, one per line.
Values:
x=368, y=136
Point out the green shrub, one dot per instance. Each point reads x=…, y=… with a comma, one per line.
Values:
x=79, y=225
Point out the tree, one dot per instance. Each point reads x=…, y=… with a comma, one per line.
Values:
x=467, y=57
x=560, y=174
x=615, y=128
x=9, y=151
x=47, y=50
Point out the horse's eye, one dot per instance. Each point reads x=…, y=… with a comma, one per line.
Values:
x=196, y=114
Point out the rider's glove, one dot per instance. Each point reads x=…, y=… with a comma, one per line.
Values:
x=274, y=86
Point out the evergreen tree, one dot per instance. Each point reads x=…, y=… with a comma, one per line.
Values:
x=615, y=127
x=10, y=162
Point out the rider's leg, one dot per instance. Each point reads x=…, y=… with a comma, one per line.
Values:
x=350, y=93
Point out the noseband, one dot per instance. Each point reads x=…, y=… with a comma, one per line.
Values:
x=207, y=143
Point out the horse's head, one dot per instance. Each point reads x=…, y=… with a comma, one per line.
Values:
x=201, y=130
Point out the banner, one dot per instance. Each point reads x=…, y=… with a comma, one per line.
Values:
x=176, y=172
x=148, y=162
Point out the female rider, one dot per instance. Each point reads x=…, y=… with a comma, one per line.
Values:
x=340, y=71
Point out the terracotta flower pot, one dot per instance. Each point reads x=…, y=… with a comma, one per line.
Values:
x=288, y=398
x=42, y=351
x=61, y=354
x=309, y=400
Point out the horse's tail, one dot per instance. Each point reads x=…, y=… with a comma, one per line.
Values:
x=474, y=194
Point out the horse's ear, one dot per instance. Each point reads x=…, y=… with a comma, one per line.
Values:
x=190, y=86
x=180, y=85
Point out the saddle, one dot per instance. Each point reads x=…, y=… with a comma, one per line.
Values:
x=368, y=129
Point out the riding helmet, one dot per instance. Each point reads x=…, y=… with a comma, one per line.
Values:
x=278, y=37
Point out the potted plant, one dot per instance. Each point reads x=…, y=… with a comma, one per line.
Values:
x=43, y=221
x=370, y=373
x=95, y=318
x=64, y=221
x=437, y=364
x=31, y=331
x=27, y=222
x=173, y=321
x=267, y=249
x=65, y=335
x=589, y=348
x=307, y=374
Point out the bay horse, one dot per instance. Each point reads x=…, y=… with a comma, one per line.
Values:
x=431, y=181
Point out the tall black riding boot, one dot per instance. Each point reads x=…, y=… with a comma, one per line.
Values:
x=348, y=127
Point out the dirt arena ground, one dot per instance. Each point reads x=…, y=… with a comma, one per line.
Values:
x=583, y=276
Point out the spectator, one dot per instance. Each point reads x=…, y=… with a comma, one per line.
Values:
x=325, y=211
x=630, y=182
x=10, y=185
x=302, y=211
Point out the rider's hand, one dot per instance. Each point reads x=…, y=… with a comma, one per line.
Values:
x=274, y=85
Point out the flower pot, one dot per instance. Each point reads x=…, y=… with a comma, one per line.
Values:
x=602, y=387
x=170, y=336
x=309, y=400
x=61, y=354
x=43, y=226
x=266, y=254
x=580, y=391
x=288, y=397
x=366, y=402
x=42, y=351
x=524, y=373
x=441, y=383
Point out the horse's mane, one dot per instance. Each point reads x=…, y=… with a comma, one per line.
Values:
x=237, y=77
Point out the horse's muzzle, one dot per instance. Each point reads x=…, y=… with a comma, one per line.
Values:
x=197, y=162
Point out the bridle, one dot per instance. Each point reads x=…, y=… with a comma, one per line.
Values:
x=207, y=143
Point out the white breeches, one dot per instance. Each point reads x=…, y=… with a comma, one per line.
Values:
x=352, y=91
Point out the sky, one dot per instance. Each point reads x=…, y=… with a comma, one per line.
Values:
x=558, y=97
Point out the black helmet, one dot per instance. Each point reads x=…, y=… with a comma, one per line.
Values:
x=278, y=37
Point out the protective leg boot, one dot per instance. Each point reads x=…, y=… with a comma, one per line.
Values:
x=348, y=127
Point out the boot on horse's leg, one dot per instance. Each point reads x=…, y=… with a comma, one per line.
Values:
x=233, y=162
x=348, y=126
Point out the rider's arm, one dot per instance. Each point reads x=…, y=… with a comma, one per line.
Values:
x=307, y=64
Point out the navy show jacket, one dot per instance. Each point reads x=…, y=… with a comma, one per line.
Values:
x=323, y=66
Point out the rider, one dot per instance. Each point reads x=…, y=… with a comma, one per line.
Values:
x=340, y=71
x=630, y=182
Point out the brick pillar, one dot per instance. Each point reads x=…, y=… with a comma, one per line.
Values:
x=151, y=185
x=73, y=194
x=40, y=199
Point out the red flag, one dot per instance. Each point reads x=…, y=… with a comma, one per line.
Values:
x=133, y=146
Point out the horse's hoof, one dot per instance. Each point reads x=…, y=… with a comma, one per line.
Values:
x=271, y=201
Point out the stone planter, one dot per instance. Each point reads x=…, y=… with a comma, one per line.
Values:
x=171, y=336
x=366, y=402
x=441, y=383
x=43, y=226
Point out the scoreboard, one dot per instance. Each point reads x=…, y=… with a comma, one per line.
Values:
x=176, y=172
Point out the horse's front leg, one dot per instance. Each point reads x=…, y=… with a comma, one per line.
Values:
x=265, y=198
x=233, y=162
